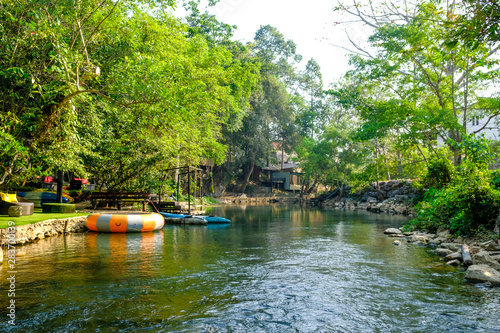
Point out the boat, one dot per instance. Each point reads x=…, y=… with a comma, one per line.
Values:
x=124, y=222
x=209, y=219
x=188, y=219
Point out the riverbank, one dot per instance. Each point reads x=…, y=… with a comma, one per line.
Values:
x=30, y=232
x=392, y=197
x=478, y=257
x=243, y=199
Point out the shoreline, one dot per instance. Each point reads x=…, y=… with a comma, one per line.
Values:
x=478, y=257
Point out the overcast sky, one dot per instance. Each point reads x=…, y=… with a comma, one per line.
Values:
x=310, y=24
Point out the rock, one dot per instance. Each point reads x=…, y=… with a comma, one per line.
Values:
x=483, y=273
x=454, y=262
x=363, y=206
x=391, y=231
x=442, y=252
x=396, y=242
x=451, y=246
x=15, y=211
x=491, y=246
x=437, y=240
x=372, y=200
x=1, y=254
x=483, y=257
x=400, y=209
x=474, y=249
x=454, y=256
x=419, y=239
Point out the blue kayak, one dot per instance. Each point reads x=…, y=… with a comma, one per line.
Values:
x=210, y=219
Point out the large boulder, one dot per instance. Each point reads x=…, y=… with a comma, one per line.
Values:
x=491, y=246
x=451, y=246
x=442, y=252
x=392, y=231
x=483, y=273
x=483, y=257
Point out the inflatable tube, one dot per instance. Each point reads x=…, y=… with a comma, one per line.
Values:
x=39, y=198
x=124, y=222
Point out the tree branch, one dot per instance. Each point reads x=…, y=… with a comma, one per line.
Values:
x=487, y=122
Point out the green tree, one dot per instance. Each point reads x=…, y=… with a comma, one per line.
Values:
x=93, y=83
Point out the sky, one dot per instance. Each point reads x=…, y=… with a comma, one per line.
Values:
x=310, y=24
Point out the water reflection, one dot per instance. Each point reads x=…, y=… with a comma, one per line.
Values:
x=274, y=269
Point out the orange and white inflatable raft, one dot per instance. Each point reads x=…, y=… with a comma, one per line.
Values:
x=124, y=222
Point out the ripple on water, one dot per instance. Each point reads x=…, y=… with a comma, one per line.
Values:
x=273, y=270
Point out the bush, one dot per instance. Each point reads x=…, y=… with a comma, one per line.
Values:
x=58, y=208
x=468, y=205
x=439, y=173
x=466, y=200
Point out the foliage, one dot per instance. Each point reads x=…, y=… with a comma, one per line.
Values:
x=113, y=90
x=469, y=203
x=440, y=172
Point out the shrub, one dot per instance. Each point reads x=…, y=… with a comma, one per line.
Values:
x=467, y=200
x=439, y=173
x=469, y=204
x=58, y=208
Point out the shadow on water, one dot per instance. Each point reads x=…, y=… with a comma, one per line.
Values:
x=274, y=269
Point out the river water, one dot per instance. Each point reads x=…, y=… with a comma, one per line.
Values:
x=274, y=269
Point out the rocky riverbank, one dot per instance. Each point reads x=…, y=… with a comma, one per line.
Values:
x=31, y=232
x=393, y=197
x=480, y=259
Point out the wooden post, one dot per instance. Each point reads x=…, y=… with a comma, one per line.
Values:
x=466, y=257
x=189, y=192
x=178, y=182
x=59, y=185
x=201, y=190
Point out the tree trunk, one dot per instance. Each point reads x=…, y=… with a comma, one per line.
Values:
x=247, y=178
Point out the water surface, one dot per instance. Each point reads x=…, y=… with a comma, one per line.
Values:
x=274, y=269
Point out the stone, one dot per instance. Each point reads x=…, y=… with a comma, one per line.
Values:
x=483, y=257
x=490, y=246
x=363, y=206
x=495, y=257
x=437, y=240
x=15, y=211
x=1, y=254
x=419, y=239
x=483, y=273
x=474, y=249
x=451, y=246
x=454, y=262
x=396, y=242
x=454, y=256
x=442, y=252
x=391, y=231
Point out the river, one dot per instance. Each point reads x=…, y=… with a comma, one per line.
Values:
x=274, y=269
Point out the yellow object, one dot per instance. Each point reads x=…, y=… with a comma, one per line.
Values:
x=4, y=197
x=12, y=197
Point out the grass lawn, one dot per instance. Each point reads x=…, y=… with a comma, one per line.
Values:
x=37, y=216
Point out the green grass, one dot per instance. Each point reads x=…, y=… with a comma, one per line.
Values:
x=38, y=216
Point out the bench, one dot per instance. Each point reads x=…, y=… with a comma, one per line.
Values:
x=119, y=199
x=168, y=207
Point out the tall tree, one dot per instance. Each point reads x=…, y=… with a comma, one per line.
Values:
x=430, y=82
